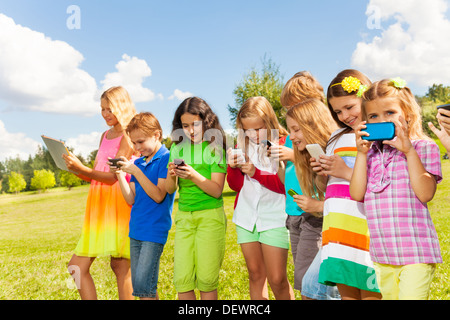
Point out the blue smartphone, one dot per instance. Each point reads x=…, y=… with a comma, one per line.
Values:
x=380, y=131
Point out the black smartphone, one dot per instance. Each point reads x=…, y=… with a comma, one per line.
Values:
x=444, y=106
x=114, y=162
x=292, y=192
x=266, y=143
x=179, y=162
x=380, y=131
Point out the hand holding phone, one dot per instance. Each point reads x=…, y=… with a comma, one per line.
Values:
x=239, y=154
x=113, y=162
x=292, y=192
x=266, y=143
x=179, y=162
x=445, y=107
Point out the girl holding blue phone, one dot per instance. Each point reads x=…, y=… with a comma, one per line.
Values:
x=396, y=179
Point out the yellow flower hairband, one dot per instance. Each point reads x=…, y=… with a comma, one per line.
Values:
x=351, y=84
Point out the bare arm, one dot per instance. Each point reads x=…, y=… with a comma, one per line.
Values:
x=86, y=173
x=358, y=181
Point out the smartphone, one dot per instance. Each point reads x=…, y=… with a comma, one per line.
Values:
x=114, y=162
x=240, y=155
x=179, y=162
x=266, y=143
x=380, y=131
x=292, y=193
x=315, y=150
x=444, y=106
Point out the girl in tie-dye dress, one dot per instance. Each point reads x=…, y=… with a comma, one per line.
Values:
x=345, y=257
x=105, y=227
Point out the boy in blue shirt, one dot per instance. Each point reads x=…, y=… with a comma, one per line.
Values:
x=151, y=210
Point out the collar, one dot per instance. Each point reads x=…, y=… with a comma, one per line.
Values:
x=142, y=161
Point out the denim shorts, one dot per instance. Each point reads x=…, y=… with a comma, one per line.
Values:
x=144, y=260
x=311, y=287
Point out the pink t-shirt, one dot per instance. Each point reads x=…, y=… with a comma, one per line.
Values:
x=400, y=225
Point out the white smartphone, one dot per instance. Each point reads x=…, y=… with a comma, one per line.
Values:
x=315, y=150
x=240, y=155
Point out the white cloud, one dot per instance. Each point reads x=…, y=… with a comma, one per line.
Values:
x=414, y=46
x=41, y=74
x=130, y=74
x=16, y=144
x=84, y=144
x=180, y=95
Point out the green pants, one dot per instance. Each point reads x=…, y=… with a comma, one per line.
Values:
x=199, y=249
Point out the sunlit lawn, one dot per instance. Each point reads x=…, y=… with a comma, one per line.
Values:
x=38, y=233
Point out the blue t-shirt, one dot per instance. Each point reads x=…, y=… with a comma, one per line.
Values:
x=291, y=182
x=151, y=221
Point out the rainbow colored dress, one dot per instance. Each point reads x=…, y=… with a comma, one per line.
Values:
x=106, y=222
x=345, y=234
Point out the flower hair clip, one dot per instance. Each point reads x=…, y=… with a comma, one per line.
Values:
x=398, y=82
x=351, y=84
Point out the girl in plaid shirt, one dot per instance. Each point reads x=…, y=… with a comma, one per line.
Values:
x=396, y=179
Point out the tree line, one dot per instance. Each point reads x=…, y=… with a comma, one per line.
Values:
x=39, y=172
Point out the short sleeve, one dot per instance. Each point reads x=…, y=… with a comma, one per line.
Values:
x=430, y=156
x=162, y=169
x=217, y=160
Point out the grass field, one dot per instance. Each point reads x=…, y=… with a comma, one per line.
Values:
x=38, y=233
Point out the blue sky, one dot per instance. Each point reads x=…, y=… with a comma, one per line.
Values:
x=51, y=75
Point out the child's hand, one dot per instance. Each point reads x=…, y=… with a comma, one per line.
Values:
x=310, y=205
x=281, y=153
x=335, y=166
x=363, y=146
x=248, y=168
x=401, y=141
x=171, y=169
x=316, y=166
x=443, y=118
x=442, y=134
x=124, y=166
x=185, y=171
x=233, y=159
x=72, y=162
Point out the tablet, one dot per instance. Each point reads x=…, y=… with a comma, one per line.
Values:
x=56, y=148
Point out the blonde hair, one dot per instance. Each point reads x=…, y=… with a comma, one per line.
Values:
x=316, y=124
x=300, y=87
x=258, y=107
x=147, y=123
x=120, y=103
x=411, y=109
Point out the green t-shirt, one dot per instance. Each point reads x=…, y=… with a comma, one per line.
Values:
x=205, y=161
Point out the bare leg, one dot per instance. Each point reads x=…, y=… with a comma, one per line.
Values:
x=254, y=259
x=211, y=295
x=188, y=295
x=121, y=268
x=275, y=260
x=79, y=270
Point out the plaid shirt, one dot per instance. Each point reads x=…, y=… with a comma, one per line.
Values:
x=401, y=229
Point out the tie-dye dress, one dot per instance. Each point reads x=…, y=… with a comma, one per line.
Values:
x=345, y=234
x=106, y=222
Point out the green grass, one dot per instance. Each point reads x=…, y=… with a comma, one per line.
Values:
x=38, y=233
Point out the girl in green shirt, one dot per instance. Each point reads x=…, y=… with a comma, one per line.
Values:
x=200, y=222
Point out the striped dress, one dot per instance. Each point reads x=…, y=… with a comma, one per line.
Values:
x=345, y=234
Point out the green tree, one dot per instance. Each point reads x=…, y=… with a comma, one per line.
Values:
x=266, y=82
x=69, y=180
x=16, y=182
x=439, y=93
x=43, y=179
